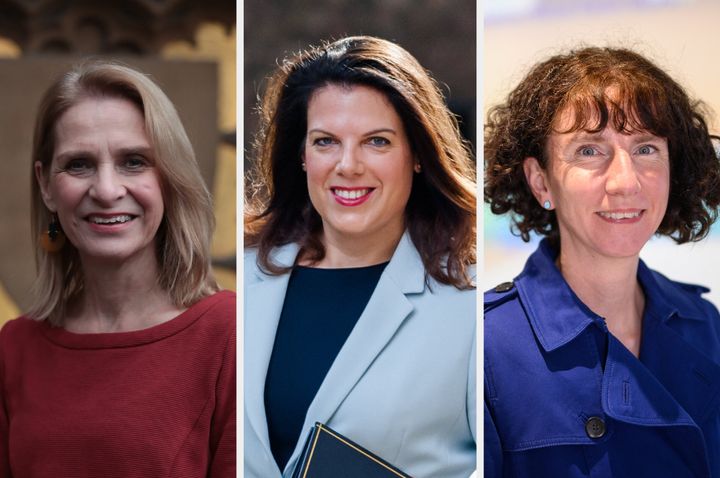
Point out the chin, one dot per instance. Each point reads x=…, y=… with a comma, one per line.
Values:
x=619, y=249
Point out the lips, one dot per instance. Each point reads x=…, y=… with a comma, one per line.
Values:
x=622, y=216
x=351, y=196
x=109, y=219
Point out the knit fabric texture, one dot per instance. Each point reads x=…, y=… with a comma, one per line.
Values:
x=158, y=402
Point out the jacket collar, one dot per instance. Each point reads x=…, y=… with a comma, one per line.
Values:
x=557, y=315
x=674, y=383
x=386, y=310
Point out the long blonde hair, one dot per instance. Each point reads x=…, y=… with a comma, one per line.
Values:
x=183, y=239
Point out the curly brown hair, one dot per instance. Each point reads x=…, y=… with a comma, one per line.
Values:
x=441, y=211
x=601, y=86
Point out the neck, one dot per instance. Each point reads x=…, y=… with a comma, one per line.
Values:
x=348, y=251
x=611, y=291
x=120, y=297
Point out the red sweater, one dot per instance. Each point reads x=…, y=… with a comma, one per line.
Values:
x=158, y=402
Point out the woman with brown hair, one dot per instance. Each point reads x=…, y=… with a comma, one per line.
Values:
x=359, y=295
x=125, y=364
x=596, y=365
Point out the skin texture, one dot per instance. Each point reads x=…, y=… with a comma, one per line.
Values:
x=102, y=167
x=610, y=192
x=359, y=171
x=593, y=175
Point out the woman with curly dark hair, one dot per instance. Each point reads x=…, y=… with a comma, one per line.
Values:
x=359, y=301
x=596, y=365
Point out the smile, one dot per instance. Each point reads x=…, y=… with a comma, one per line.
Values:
x=351, y=197
x=621, y=216
x=110, y=220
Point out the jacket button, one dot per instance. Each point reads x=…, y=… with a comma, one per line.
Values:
x=595, y=427
x=504, y=287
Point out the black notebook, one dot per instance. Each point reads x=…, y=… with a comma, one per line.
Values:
x=328, y=454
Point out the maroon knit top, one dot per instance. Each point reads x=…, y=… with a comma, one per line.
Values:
x=158, y=402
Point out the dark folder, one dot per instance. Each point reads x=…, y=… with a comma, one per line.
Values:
x=328, y=454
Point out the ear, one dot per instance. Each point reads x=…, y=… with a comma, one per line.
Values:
x=537, y=179
x=44, y=188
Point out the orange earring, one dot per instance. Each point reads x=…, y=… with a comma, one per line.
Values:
x=53, y=239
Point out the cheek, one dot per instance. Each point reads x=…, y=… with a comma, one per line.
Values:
x=67, y=191
x=149, y=194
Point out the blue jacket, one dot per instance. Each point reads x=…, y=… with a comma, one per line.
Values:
x=403, y=384
x=564, y=398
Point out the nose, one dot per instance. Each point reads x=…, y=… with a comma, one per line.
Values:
x=350, y=163
x=622, y=175
x=107, y=186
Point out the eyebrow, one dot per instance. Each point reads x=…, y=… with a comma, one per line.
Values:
x=368, y=133
x=73, y=153
x=582, y=136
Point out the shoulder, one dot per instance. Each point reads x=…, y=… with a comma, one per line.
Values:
x=250, y=266
x=498, y=295
x=283, y=256
x=686, y=297
x=218, y=312
x=20, y=328
x=19, y=335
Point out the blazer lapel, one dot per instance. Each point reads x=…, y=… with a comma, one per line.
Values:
x=386, y=310
x=263, y=303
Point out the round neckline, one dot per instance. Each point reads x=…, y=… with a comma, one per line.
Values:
x=64, y=338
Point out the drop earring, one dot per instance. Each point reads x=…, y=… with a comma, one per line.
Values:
x=53, y=239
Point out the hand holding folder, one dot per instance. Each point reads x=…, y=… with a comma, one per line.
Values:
x=328, y=454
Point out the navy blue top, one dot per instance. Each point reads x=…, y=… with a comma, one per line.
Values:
x=321, y=308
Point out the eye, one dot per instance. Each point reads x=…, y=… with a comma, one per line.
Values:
x=323, y=141
x=588, y=151
x=379, y=141
x=647, y=149
x=135, y=162
x=77, y=166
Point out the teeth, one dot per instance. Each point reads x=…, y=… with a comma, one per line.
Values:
x=351, y=194
x=110, y=220
x=620, y=215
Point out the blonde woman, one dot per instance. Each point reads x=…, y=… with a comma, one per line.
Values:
x=125, y=365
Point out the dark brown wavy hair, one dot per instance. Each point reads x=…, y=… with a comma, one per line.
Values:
x=441, y=211
x=602, y=86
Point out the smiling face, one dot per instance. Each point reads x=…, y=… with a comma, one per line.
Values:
x=609, y=189
x=102, y=182
x=359, y=164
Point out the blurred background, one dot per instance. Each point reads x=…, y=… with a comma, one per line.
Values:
x=678, y=35
x=187, y=47
x=440, y=34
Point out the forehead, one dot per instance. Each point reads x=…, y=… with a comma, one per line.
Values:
x=351, y=105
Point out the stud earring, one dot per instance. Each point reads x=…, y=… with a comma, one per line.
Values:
x=547, y=205
x=417, y=167
x=53, y=239
x=302, y=165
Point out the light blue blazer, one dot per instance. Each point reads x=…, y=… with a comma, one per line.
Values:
x=403, y=384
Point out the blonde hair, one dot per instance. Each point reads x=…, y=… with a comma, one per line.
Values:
x=183, y=238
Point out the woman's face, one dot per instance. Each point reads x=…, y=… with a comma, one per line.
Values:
x=359, y=163
x=102, y=182
x=609, y=189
